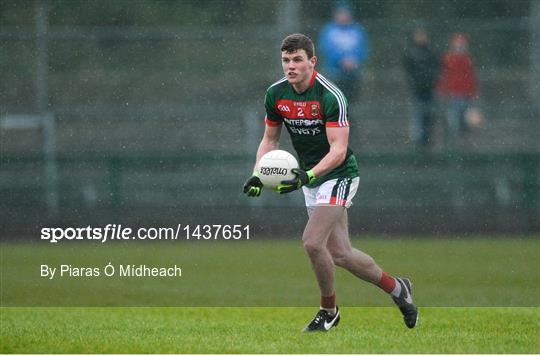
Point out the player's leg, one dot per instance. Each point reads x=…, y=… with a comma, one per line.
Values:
x=341, y=192
x=344, y=255
x=315, y=237
x=364, y=267
x=320, y=224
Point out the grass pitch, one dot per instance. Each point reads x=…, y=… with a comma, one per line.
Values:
x=446, y=272
x=476, y=295
x=266, y=330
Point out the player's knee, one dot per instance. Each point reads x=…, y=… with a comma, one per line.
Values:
x=313, y=248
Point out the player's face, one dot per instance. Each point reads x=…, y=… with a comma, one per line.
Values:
x=297, y=67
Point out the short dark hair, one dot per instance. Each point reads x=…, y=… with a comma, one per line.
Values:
x=298, y=41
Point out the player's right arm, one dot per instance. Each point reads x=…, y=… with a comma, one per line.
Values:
x=270, y=141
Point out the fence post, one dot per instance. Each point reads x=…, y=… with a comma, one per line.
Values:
x=534, y=26
x=42, y=107
x=288, y=16
x=42, y=57
x=530, y=164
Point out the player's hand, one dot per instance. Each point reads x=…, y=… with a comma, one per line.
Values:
x=302, y=178
x=253, y=186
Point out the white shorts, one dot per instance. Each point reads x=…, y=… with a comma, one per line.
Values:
x=339, y=191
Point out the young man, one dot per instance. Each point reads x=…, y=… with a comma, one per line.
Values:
x=343, y=44
x=421, y=67
x=314, y=111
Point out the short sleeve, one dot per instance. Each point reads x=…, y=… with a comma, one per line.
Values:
x=272, y=118
x=335, y=109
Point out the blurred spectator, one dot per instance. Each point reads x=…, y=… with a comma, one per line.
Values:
x=457, y=83
x=344, y=48
x=422, y=67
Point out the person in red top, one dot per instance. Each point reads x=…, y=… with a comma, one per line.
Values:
x=457, y=82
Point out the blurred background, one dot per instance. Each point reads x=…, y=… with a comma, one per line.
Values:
x=150, y=112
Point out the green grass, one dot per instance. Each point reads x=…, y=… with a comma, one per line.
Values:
x=481, y=271
x=476, y=295
x=266, y=330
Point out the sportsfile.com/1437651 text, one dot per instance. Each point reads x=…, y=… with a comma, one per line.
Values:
x=111, y=232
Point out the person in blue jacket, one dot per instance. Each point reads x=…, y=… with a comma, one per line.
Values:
x=343, y=46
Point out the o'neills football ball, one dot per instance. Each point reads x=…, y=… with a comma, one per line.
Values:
x=276, y=166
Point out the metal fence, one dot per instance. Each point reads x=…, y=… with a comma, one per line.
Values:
x=154, y=117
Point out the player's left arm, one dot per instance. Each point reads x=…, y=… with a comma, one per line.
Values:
x=338, y=138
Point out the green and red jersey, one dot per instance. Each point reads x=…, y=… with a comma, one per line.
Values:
x=306, y=116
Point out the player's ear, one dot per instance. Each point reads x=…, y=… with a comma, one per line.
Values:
x=313, y=60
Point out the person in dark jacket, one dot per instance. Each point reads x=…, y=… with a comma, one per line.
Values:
x=422, y=68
